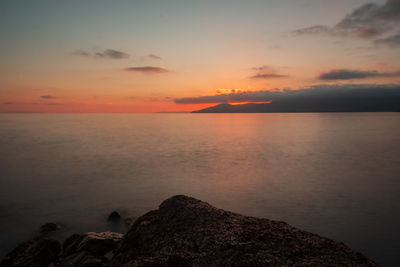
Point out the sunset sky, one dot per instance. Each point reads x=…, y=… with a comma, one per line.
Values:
x=173, y=56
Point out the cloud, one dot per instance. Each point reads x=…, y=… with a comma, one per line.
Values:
x=47, y=97
x=153, y=56
x=263, y=68
x=317, y=29
x=276, y=94
x=267, y=76
x=108, y=53
x=114, y=54
x=54, y=104
x=319, y=95
x=82, y=53
x=266, y=72
x=147, y=70
x=8, y=103
x=392, y=41
x=367, y=21
x=344, y=74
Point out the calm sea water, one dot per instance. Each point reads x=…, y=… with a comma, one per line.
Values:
x=337, y=175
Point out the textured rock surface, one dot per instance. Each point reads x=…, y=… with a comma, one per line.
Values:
x=186, y=231
x=41, y=251
x=89, y=249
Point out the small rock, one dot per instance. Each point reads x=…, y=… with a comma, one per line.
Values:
x=84, y=259
x=97, y=244
x=40, y=251
x=114, y=216
x=47, y=228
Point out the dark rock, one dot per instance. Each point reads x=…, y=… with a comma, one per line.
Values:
x=40, y=251
x=188, y=232
x=48, y=228
x=97, y=244
x=114, y=216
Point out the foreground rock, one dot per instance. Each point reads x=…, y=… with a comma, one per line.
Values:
x=40, y=251
x=187, y=232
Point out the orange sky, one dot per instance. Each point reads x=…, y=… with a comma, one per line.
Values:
x=139, y=57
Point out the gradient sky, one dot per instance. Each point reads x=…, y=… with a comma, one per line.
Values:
x=152, y=56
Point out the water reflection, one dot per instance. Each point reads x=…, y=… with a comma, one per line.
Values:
x=333, y=174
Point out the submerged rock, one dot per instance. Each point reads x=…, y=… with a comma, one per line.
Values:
x=188, y=232
x=114, y=216
x=40, y=251
x=48, y=228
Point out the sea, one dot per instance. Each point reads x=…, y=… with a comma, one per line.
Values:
x=333, y=174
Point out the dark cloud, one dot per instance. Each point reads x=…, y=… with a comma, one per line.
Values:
x=367, y=21
x=267, y=76
x=54, y=104
x=114, y=54
x=319, y=98
x=266, y=72
x=315, y=95
x=48, y=97
x=153, y=56
x=147, y=70
x=8, y=103
x=344, y=74
x=108, y=53
x=392, y=41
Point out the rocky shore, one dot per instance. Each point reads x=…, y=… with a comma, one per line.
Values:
x=188, y=232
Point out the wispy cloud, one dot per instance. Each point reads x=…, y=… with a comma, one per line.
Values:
x=47, y=97
x=8, y=103
x=263, y=68
x=54, y=104
x=153, y=56
x=268, y=76
x=345, y=74
x=108, y=53
x=266, y=72
x=392, y=40
x=147, y=70
x=367, y=21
